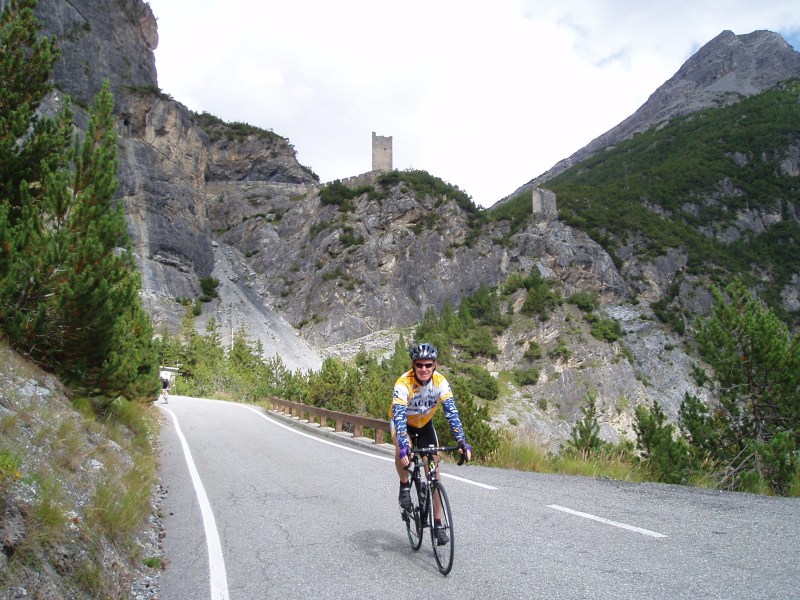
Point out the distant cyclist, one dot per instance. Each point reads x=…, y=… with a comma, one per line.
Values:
x=165, y=389
x=417, y=395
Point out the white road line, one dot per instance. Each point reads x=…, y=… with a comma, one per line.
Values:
x=218, y=579
x=608, y=521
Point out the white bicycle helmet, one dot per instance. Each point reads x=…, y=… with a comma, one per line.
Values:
x=423, y=351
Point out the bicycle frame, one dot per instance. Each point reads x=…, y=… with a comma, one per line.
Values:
x=424, y=457
x=431, y=499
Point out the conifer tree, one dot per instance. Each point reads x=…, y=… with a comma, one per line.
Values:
x=26, y=62
x=69, y=288
x=753, y=431
x=585, y=435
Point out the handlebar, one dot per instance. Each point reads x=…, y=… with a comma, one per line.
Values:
x=431, y=450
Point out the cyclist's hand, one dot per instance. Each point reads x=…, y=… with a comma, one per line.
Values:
x=404, y=452
x=465, y=449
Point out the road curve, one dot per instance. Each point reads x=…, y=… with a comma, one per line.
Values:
x=295, y=515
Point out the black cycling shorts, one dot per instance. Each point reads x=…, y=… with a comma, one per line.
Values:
x=422, y=437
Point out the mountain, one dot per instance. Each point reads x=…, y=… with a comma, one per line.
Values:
x=720, y=73
x=314, y=270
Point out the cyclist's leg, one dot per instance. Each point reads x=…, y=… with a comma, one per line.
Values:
x=405, y=494
x=428, y=437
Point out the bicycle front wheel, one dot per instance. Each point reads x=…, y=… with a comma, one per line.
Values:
x=444, y=552
x=415, y=519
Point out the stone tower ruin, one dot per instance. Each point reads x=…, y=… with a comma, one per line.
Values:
x=381, y=153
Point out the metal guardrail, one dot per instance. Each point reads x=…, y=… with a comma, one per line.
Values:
x=315, y=414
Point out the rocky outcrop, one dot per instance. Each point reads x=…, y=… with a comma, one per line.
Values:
x=99, y=41
x=263, y=157
x=190, y=181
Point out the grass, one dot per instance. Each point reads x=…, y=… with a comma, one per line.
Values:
x=524, y=452
x=122, y=500
x=72, y=506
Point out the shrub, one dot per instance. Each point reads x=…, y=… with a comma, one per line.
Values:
x=605, y=330
x=526, y=376
x=208, y=288
x=667, y=458
x=585, y=435
x=585, y=301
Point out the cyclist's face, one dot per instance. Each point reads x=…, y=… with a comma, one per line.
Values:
x=423, y=369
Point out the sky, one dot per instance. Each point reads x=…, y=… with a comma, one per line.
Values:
x=484, y=94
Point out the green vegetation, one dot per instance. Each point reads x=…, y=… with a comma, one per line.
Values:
x=672, y=186
x=363, y=388
x=585, y=301
x=747, y=440
x=208, y=288
x=42, y=479
x=517, y=210
x=665, y=454
x=218, y=129
x=524, y=453
x=541, y=298
x=424, y=184
x=340, y=195
x=604, y=329
x=664, y=188
x=148, y=90
x=585, y=435
x=69, y=300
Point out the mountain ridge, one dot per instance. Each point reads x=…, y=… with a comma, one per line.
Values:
x=724, y=69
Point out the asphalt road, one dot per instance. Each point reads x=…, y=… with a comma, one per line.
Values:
x=261, y=509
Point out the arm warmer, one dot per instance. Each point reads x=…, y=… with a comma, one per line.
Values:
x=400, y=427
x=453, y=418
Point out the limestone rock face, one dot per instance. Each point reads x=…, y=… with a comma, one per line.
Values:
x=101, y=40
x=165, y=155
x=255, y=158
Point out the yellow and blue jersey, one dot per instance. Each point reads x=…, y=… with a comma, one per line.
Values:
x=414, y=404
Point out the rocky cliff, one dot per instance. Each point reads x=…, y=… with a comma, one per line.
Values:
x=165, y=160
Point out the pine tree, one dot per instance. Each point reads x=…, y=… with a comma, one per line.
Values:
x=754, y=428
x=666, y=456
x=69, y=288
x=26, y=63
x=585, y=435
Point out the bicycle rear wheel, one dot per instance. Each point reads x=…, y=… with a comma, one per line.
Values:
x=444, y=554
x=415, y=520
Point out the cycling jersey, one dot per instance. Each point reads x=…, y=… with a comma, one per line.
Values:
x=415, y=404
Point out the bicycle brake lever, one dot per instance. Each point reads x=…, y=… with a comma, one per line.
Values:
x=461, y=458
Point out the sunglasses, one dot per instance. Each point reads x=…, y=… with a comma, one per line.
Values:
x=423, y=365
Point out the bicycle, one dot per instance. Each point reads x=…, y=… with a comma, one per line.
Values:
x=426, y=488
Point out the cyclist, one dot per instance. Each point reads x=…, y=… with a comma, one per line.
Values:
x=165, y=389
x=417, y=395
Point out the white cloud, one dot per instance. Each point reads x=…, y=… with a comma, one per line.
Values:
x=484, y=95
